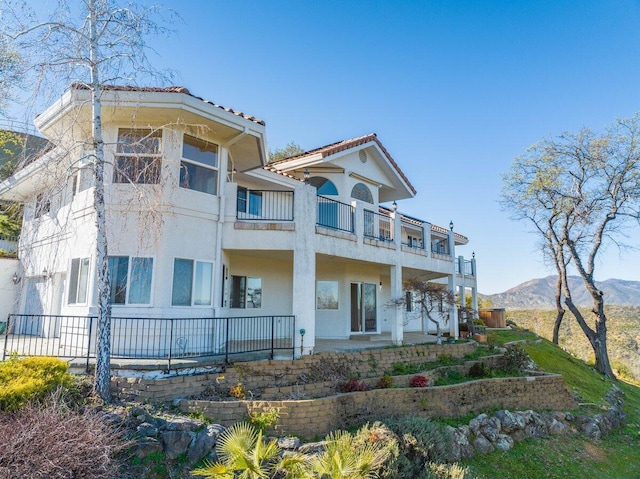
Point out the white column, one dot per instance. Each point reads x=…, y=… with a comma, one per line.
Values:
x=474, y=289
x=304, y=269
x=397, y=229
x=397, y=327
x=453, y=320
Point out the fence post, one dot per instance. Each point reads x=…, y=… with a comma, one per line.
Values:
x=6, y=337
x=226, y=342
x=293, y=339
x=86, y=369
x=170, y=345
x=273, y=319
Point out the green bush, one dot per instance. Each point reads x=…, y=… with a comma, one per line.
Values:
x=263, y=420
x=515, y=359
x=480, y=370
x=421, y=441
x=384, y=382
x=26, y=379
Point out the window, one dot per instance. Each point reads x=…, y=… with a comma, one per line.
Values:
x=130, y=279
x=408, y=300
x=246, y=292
x=327, y=295
x=43, y=205
x=249, y=202
x=323, y=185
x=78, y=279
x=362, y=193
x=74, y=184
x=192, y=283
x=138, y=158
x=199, y=167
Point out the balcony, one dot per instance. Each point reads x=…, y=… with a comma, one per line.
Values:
x=264, y=205
x=465, y=267
x=379, y=227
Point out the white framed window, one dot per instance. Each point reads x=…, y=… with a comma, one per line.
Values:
x=246, y=292
x=199, y=165
x=327, y=295
x=78, y=281
x=138, y=156
x=130, y=279
x=408, y=301
x=192, y=283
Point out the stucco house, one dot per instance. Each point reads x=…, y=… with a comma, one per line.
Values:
x=202, y=226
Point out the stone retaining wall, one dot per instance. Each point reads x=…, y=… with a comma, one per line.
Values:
x=258, y=375
x=316, y=417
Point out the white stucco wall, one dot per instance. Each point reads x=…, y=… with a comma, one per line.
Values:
x=8, y=290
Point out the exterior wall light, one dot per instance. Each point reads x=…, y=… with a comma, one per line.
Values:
x=306, y=176
x=451, y=225
x=473, y=255
x=46, y=274
x=394, y=206
x=15, y=278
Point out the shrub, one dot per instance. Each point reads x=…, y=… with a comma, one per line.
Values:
x=452, y=377
x=238, y=391
x=385, y=382
x=49, y=439
x=447, y=360
x=480, y=370
x=420, y=441
x=263, y=420
x=516, y=359
x=26, y=379
x=419, y=381
x=353, y=385
x=447, y=471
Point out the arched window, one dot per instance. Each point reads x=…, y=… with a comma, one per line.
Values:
x=361, y=192
x=324, y=186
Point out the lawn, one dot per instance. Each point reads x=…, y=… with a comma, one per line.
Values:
x=616, y=456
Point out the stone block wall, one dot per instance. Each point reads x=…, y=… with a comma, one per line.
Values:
x=316, y=417
x=259, y=375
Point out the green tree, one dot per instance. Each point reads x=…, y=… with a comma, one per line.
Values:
x=581, y=192
x=292, y=149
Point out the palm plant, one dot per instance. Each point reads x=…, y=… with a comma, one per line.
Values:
x=243, y=454
x=344, y=459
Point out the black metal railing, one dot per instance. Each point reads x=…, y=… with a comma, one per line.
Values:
x=148, y=338
x=264, y=205
x=334, y=214
x=378, y=226
x=440, y=247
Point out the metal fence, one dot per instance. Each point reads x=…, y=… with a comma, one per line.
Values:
x=412, y=234
x=168, y=339
x=264, y=205
x=336, y=215
x=378, y=226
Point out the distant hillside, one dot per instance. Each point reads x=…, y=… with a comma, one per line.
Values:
x=539, y=293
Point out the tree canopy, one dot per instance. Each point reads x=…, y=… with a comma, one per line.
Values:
x=292, y=149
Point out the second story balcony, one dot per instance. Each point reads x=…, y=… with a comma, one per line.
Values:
x=382, y=227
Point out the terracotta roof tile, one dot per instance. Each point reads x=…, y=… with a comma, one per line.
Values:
x=170, y=89
x=343, y=145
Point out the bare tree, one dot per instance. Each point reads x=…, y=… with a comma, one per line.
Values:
x=103, y=44
x=582, y=193
x=430, y=297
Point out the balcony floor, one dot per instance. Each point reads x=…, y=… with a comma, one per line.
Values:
x=377, y=341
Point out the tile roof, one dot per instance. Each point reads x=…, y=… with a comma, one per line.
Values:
x=343, y=145
x=170, y=89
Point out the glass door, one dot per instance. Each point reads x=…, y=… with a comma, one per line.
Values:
x=363, y=308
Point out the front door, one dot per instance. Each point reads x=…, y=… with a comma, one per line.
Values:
x=34, y=307
x=363, y=308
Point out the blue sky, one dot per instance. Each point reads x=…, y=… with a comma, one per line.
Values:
x=454, y=90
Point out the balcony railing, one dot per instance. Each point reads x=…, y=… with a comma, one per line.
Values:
x=264, y=205
x=412, y=233
x=378, y=226
x=148, y=338
x=467, y=268
x=334, y=214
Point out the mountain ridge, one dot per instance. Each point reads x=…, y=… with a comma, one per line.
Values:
x=539, y=293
